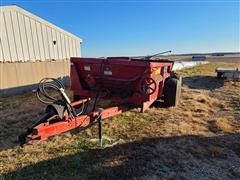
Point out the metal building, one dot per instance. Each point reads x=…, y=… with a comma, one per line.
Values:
x=32, y=48
x=26, y=37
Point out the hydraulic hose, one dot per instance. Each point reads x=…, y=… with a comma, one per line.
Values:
x=44, y=86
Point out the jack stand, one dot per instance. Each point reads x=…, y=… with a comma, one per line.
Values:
x=100, y=126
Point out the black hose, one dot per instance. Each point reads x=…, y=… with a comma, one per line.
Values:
x=44, y=86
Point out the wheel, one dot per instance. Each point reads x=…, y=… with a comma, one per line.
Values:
x=148, y=86
x=172, y=91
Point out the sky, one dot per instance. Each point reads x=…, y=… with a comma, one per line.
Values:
x=129, y=28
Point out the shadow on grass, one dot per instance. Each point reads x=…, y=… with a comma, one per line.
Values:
x=159, y=104
x=203, y=82
x=178, y=157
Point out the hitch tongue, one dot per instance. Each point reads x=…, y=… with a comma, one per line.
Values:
x=22, y=139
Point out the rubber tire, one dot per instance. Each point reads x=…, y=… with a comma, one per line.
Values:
x=172, y=91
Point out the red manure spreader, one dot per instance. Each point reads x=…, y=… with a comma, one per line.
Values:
x=124, y=81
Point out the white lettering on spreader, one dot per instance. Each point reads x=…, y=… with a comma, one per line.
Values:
x=87, y=68
x=107, y=73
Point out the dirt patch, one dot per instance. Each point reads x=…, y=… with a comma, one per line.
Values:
x=198, y=138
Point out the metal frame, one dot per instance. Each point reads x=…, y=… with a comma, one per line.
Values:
x=147, y=88
x=48, y=129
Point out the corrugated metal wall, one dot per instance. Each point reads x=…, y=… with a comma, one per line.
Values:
x=26, y=37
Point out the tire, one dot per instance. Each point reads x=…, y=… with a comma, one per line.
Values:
x=172, y=91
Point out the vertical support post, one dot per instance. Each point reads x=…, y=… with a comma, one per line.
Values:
x=100, y=130
x=100, y=126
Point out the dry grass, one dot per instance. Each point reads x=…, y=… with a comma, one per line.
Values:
x=207, y=70
x=224, y=59
x=222, y=124
x=199, y=138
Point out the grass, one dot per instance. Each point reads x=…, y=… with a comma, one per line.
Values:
x=204, y=111
x=208, y=69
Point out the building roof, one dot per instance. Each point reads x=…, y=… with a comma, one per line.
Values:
x=41, y=20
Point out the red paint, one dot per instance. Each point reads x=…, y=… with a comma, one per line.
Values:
x=113, y=77
x=125, y=74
